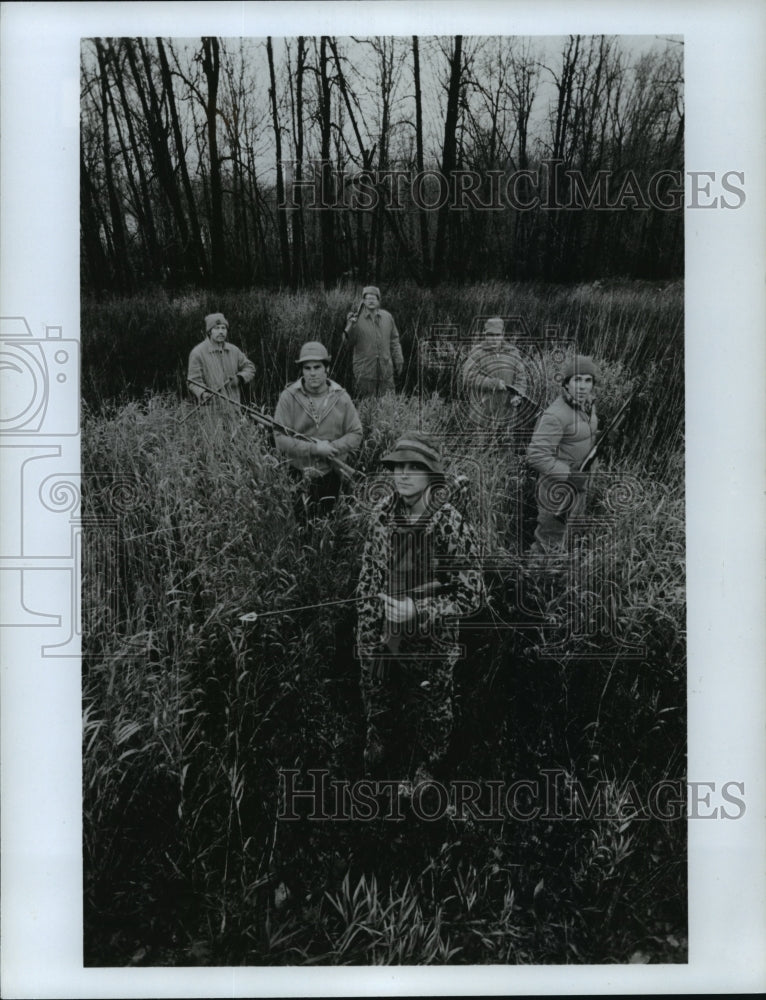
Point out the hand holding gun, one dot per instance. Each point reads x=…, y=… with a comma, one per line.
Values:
x=327, y=451
x=614, y=425
x=399, y=612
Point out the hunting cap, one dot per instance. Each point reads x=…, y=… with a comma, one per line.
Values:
x=312, y=351
x=494, y=325
x=212, y=319
x=416, y=447
x=580, y=365
x=371, y=290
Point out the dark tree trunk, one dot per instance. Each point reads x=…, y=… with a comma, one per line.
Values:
x=422, y=215
x=199, y=246
x=327, y=192
x=122, y=269
x=449, y=157
x=281, y=209
x=211, y=65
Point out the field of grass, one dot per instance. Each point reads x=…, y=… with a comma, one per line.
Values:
x=189, y=715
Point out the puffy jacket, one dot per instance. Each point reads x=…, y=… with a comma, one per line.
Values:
x=375, y=340
x=563, y=437
x=338, y=423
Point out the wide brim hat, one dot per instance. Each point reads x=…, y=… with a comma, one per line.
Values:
x=312, y=351
x=410, y=449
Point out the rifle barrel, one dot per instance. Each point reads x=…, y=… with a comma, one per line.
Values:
x=612, y=425
x=423, y=591
x=267, y=421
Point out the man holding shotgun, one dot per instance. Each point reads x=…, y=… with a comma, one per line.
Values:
x=562, y=440
x=329, y=428
x=420, y=572
x=217, y=367
x=371, y=332
x=494, y=378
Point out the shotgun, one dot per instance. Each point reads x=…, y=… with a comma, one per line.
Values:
x=613, y=425
x=523, y=396
x=393, y=634
x=254, y=616
x=265, y=421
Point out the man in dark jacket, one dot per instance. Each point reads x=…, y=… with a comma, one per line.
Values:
x=565, y=433
x=372, y=333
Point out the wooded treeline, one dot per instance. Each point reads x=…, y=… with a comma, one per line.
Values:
x=282, y=162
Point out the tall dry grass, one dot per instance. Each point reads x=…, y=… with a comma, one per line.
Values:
x=189, y=715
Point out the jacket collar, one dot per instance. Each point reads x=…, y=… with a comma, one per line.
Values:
x=302, y=398
x=297, y=386
x=585, y=408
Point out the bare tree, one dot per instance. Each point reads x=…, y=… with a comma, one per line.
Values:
x=281, y=210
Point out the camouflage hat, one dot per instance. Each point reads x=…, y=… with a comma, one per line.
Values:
x=416, y=447
x=312, y=351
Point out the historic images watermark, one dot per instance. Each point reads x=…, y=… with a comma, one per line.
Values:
x=549, y=187
x=552, y=795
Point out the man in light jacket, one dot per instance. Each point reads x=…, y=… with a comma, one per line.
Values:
x=319, y=408
x=565, y=433
x=218, y=365
x=372, y=333
x=494, y=378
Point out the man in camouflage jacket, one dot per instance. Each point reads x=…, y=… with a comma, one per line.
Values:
x=427, y=554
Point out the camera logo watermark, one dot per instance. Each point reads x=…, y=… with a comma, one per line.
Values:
x=41, y=538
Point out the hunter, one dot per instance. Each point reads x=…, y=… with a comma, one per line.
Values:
x=318, y=407
x=220, y=366
x=420, y=572
x=565, y=433
x=493, y=377
x=372, y=333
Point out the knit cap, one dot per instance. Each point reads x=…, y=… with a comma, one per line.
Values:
x=214, y=318
x=494, y=325
x=581, y=364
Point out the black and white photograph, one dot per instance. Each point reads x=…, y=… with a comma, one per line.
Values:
x=386, y=531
